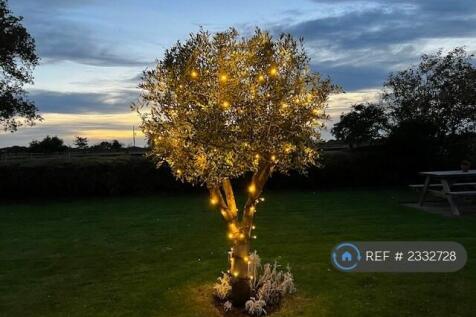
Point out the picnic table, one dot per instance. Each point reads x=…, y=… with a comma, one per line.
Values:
x=449, y=183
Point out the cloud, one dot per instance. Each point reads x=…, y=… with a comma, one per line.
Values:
x=61, y=36
x=360, y=45
x=75, y=102
x=96, y=127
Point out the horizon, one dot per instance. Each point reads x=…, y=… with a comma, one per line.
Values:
x=92, y=53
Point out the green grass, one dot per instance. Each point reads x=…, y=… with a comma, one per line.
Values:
x=158, y=256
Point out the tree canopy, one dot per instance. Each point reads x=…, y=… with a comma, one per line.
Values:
x=365, y=123
x=17, y=60
x=220, y=106
x=441, y=91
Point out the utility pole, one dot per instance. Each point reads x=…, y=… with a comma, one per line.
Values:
x=134, y=136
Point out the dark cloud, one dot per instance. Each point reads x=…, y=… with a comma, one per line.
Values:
x=59, y=102
x=363, y=44
x=59, y=38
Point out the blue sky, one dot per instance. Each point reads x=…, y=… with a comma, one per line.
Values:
x=92, y=52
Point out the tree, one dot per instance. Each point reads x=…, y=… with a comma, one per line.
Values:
x=17, y=60
x=48, y=145
x=116, y=145
x=365, y=123
x=440, y=91
x=81, y=143
x=218, y=107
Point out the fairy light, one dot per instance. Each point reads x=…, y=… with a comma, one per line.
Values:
x=254, y=237
x=225, y=104
x=179, y=172
x=273, y=71
x=242, y=236
x=194, y=74
x=230, y=235
x=235, y=274
x=252, y=188
x=253, y=227
x=246, y=259
x=273, y=158
x=213, y=201
x=261, y=78
x=252, y=209
x=315, y=111
x=223, y=77
x=262, y=199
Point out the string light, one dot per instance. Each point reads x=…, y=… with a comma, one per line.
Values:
x=315, y=111
x=194, y=74
x=223, y=77
x=235, y=274
x=252, y=188
x=254, y=237
x=252, y=209
x=273, y=71
x=262, y=199
x=230, y=235
x=246, y=259
x=179, y=172
x=213, y=201
x=273, y=158
x=226, y=104
x=253, y=227
x=242, y=236
x=261, y=78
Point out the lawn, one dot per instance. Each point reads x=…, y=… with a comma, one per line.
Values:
x=159, y=255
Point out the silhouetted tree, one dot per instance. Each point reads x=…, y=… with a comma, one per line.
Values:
x=107, y=146
x=17, y=60
x=48, y=145
x=116, y=145
x=81, y=143
x=440, y=91
x=365, y=123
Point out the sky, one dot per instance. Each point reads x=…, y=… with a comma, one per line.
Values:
x=93, y=51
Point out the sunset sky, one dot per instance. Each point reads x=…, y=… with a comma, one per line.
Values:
x=92, y=52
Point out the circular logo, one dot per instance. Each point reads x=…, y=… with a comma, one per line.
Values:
x=345, y=256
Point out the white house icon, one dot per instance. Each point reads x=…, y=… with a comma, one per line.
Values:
x=346, y=256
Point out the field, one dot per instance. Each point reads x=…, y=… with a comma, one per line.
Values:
x=159, y=255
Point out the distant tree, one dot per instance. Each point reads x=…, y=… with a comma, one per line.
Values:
x=115, y=145
x=48, y=145
x=365, y=123
x=17, y=60
x=107, y=146
x=440, y=91
x=81, y=143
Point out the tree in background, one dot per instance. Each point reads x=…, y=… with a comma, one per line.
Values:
x=218, y=107
x=365, y=123
x=440, y=91
x=48, y=145
x=17, y=60
x=81, y=143
x=114, y=145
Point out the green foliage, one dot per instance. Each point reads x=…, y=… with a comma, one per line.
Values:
x=364, y=124
x=440, y=91
x=219, y=106
x=17, y=60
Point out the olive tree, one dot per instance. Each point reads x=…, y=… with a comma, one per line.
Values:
x=220, y=106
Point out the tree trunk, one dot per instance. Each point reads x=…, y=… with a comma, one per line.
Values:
x=240, y=285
